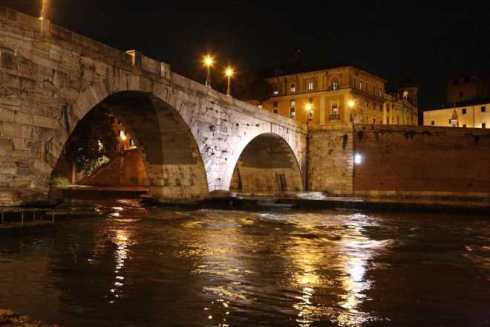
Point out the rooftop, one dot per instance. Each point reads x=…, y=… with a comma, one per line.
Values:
x=295, y=70
x=474, y=102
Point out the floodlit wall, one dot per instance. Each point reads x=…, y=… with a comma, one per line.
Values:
x=421, y=161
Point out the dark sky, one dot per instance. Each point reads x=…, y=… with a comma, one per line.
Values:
x=426, y=41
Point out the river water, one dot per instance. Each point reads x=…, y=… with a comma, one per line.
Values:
x=163, y=267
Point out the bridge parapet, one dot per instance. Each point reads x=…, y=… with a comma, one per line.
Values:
x=132, y=60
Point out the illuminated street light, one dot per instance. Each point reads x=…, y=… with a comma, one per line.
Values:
x=208, y=62
x=44, y=9
x=351, y=104
x=229, y=73
x=309, y=110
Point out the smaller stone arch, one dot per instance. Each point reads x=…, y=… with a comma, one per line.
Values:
x=267, y=166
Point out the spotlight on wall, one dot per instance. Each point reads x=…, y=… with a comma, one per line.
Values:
x=358, y=159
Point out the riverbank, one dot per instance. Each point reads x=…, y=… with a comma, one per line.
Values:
x=315, y=202
x=10, y=319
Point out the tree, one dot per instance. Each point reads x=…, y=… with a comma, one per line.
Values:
x=94, y=138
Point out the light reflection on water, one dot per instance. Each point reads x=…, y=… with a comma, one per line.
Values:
x=232, y=268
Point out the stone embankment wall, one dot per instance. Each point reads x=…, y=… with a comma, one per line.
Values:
x=422, y=161
x=330, y=161
x=400, y=162
x=127, y=169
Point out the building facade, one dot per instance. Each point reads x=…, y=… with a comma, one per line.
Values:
x=340, y=96
x=467, y=88
x=474, y=115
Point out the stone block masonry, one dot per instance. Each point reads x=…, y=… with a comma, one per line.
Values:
x=330, y=161
x=400, y=162
x=422, y=162
x=50, y=78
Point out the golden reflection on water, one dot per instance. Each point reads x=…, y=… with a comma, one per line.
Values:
x=220, y=255
x=350, y=255
x=122, y=240
x=306, y=261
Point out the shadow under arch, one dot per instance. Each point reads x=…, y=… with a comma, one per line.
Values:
x=172, y=161
x=267, y=166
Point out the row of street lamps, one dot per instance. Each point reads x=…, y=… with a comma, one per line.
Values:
x=208, y=62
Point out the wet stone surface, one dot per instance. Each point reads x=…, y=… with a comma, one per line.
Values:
x=162, y=267
x=11, y=319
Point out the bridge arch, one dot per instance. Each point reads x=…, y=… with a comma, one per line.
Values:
x=267, y=165
x=171, y=156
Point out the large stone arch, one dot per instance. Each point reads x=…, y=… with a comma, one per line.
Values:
x=173, y=161
x=268, y=165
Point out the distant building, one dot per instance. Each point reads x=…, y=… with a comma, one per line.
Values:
x=340, y=96
x=468, y=104
x=467, y=88
x=474, y=114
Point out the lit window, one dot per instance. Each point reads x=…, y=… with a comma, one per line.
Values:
x=293, y=88
x=335, y=85
x=405, y=95
x=310, y=85
x=276, y=92
x=292, y=109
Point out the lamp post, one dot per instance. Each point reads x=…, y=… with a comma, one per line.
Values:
x=229, y=73
x=44, y=9
x=44, y=14
x=351, y=105
x=208, y=62
x=309, y=118
x=309, y=112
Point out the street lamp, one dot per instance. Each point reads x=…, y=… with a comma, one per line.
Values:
x=309, y=111
x=229, y=73
x=44, y=9
x=351, y=105
x=208, y=62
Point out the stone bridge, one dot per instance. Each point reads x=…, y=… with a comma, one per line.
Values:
x=194, y=140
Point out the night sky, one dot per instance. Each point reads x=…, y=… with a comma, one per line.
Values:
x=419, y=42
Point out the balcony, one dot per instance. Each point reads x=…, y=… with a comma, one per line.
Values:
x=334, y=117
